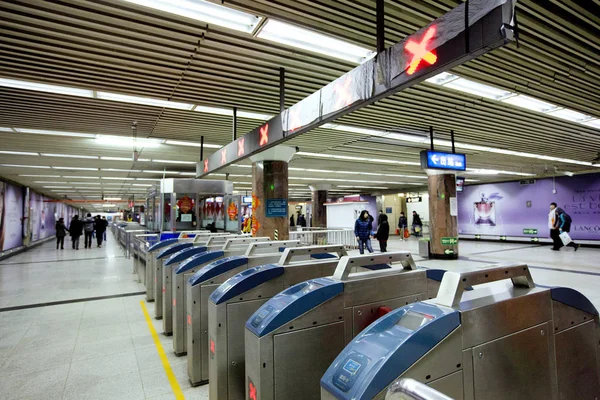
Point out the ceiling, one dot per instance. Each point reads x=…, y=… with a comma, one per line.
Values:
x=120, y=47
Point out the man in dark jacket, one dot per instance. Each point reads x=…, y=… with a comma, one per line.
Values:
x=61, y=232
x=564, y=225
x=383, y=232
x=100, y=227
x=417, y=224
x=402, y=225
x=75, y=230
x=88, y=228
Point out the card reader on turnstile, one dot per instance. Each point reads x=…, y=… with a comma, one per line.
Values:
x=158, y=283
x=180, y=275
x=294, y=337
x=201, y=285
x=517, y=341
x=234, y=301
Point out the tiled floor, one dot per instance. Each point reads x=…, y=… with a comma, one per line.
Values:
x=103, y=349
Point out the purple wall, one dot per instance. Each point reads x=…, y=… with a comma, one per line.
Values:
x=508, y=208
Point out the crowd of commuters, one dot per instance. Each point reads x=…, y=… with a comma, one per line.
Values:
x=88, y=226
x=363, y=230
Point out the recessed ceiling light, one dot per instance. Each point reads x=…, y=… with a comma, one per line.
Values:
x=120, y=170
x=19, y=153
x=55, y=133
x=80, y=177
x=69, y=156
x=174, y=162
x=42, y=87
x=24, y=166
x=116, y=158
x=41, y=176
x=117, y=178
x=192, y=144
x=143, y=101
x=120, y=141
x=161, y=172
x=76, y=168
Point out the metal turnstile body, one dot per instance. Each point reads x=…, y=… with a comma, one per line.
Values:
x=201, y=285
x=151, y=265
x=158, y=277
x=294, y=337
x=234, y=301
x=231, y=247
x=496, y=342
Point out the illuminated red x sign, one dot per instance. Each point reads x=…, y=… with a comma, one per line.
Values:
x=295, y=119
x=264, y=135
x=224, y=155
x=206, y=165
x=420, y=52
x=344, y=97
x=252, y=391
x=241, y=150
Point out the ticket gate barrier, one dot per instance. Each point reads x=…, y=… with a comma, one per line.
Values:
x=293, y=338
x=498, y=341
x=163, y=275
x=232, y=247
x=201, y=285
x=151, y=264
x=409, y=389
x=234, y=301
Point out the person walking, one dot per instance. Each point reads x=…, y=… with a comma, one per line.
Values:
x=402, y=225
x=75, y=230
x=100, y=227
x=362, y=231
x=380, y=217
x=105, y=227
x=61, y=232
x=553, y=225
x=383, y=232
x=564, y=225
x=417, y=224
x=88, y=228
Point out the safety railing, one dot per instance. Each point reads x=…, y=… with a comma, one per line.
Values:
x=409, y=389
x=323, y=237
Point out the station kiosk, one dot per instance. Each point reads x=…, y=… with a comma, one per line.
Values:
x=503, y=340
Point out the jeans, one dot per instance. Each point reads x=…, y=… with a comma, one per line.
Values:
x=75, y=240
x=362, y=243
x=60, y=240
x=88, y=239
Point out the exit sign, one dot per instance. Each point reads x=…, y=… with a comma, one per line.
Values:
x=530, y=231
x=449, y=241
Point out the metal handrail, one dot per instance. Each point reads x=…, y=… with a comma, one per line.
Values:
x=409, y=389
x=323, y=237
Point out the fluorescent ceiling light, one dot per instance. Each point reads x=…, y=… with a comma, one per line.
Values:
x=192, y=144
x=188, y=173
x=530, y=103
x=116, y=158
x=48, y=182
x=109, y=205
x=214, y=110
x=85, y=183
x=41, y=176
x=594, y=123
x=478, y=89
x=115, y=178
x=569, y=115
x=254, y=115
x=306, y=39
x=443, y=78
x=174, y=162
x=58, y=187
x=161, y=172
x=483, y=171
x=68, y=156
x=204, y=11
x=147, y=179
x=120, y=170
x=127, y=141
x=24, y=166
x=140, y=184
x=55, y=133
x=362, y=187
x=19, y=153
x=143, y=100
x=77, y=168
x=42, y=87
x=352, y=158
x=6, y=129
x=112, y=198
x=80, y=177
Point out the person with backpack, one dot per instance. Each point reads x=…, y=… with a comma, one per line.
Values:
x=563, y=224
x=88, y=228
x=383, y=232
x=362, y=231
x=75, y=230
x=61, y=232
x=417, y=224
x=402, y=225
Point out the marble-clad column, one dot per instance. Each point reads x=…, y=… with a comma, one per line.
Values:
x=443, y=225
x=319, y=196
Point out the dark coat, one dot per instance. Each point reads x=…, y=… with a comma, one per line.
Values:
x=100, y=225
x=76, y=227
x=417, y=220
x=61, y=229
x=383, y=230
x=362, y=229
x=402, y=222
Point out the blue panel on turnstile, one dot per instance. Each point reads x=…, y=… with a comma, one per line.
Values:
x=573, y=298
x=162, y=243
x=185, y=254
x=217, y=268
x=199, y=259
x=291, y=303
x=386, y=349
x=173, y=249
x=244, y=281
x=323, y=256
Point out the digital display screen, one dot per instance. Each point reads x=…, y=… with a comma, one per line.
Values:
x=352, y=366
x=413, y=321
x=460, y=184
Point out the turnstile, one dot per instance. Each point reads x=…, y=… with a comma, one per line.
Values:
x=234, y=301
x=232, y=247
x=201, y=285
x=292, y=339
x=516, y=341
x=158, y=283
x=164, y=280
x=151, y=264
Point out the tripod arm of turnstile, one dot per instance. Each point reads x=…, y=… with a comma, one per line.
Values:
x=409, y=389
x=454, y=284
x=255, y=248
x=204, y=236
x=347, y=263
x=243, y=240
x=290, y=253
x=185, y=234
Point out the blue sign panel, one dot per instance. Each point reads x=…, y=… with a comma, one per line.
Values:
x=276, y=208
x=441, y=160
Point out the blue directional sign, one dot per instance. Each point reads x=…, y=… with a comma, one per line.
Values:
x=441, y=160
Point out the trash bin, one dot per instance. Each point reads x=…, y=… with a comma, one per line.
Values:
x=424, y=247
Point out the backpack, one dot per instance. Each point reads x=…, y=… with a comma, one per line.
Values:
x=568, y=219
x=89, y=226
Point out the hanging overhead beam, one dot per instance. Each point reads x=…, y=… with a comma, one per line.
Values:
x=435, y=48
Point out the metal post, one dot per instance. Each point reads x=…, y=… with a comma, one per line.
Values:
x=281, y=89
x=201, y=148
x=380, y=11
x=234, y=133
x=452, y=140
x=467, y=36
x=431, y=137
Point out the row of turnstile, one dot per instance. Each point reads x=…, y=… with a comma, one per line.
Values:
x=261, y=319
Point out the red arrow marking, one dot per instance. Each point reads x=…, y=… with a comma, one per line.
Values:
x=241, y=150
x=206, y=165
x=420, y=52
x=224, y=155
x=343, y=93
x=264, y=135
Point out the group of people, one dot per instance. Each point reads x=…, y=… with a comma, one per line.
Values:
x=88, y=227
x=300, y=220
x=558, y=222
x=363, y=229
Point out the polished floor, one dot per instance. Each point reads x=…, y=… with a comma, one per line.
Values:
x=104, y=349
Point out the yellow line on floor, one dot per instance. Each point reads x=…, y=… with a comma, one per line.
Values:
x=163, y=357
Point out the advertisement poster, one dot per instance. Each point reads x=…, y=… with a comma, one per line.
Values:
x=11, y=234
x=515, y=209
x=35, y=214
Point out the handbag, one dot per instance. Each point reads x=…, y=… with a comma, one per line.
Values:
x=406, y=233
x=565, y=238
